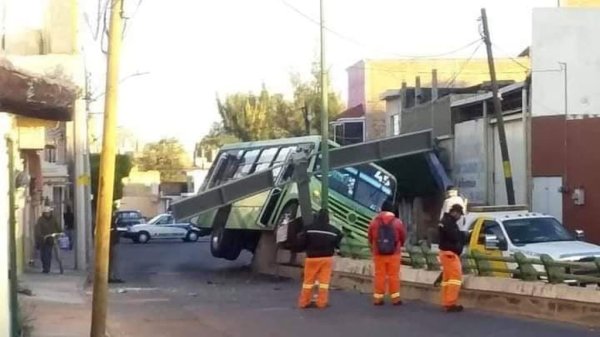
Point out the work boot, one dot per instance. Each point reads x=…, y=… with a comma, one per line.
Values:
x=378, y=303
x=454, y=308
x=397, y=303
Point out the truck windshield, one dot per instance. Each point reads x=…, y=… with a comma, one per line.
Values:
x=536, y=230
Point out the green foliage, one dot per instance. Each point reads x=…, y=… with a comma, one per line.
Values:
x=166, y=156
x=123, y=165
x=250, y=117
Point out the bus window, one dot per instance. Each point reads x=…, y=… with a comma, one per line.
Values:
x=246, y=163
x=343, y=181
x=227, y=165
x=281, y=157
x=265, y=159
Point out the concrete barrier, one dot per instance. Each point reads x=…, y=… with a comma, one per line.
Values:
x=508, y=296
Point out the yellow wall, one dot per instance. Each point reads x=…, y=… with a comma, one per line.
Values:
x=383, y=75
x=580, y=3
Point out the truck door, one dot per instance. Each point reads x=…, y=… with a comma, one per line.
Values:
x=487, y=226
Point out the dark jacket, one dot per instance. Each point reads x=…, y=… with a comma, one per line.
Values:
x=386, y=218
x=69, y=218
x=45, y=226
x=451, y=237
x=320, y=240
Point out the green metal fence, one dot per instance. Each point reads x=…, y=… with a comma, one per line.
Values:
x=517, y=266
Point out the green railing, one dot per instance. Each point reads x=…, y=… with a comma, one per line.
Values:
x=517, y=266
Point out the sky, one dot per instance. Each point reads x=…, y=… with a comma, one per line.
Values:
x=195, y=50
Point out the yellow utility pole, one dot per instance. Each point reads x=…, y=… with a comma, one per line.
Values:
x=107, y=173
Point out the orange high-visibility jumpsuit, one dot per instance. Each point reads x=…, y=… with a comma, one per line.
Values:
x=316, y=269
x=451, y=277
x=387, y=267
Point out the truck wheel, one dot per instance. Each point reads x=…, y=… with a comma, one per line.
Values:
x=233, y=252
x=224, y=242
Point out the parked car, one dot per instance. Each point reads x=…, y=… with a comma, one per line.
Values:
x=163, y=226
x=127, y=218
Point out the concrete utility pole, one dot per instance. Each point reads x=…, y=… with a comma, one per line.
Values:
x=324, y=119
x=12, y=240
x=510, y=191
x=107, y=173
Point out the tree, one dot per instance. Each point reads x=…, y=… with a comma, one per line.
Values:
x=251, y=117
x=123, y=165
x=166, y=156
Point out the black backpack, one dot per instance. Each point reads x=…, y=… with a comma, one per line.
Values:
x=386, y=239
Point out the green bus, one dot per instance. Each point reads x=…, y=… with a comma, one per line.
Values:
x=356, y=194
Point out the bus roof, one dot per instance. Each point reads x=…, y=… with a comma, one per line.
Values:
x=280, y=141
x=287, y=141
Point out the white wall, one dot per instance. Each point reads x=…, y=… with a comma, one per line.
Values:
x=568, y=35
x=516, y=148
x=469, y=169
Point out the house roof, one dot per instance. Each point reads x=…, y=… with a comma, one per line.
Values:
x=35, y=96
x=354, y=112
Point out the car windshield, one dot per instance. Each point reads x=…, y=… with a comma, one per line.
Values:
x=536, y=230
x=155, y=219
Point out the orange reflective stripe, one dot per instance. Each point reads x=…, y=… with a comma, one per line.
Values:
x=307, y=286
x=323, y=286
x=378, y=296
x=395, y=295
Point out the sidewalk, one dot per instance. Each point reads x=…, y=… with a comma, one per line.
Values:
x=58, y=305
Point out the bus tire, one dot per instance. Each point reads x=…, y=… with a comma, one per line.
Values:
x=233, y=252
x=223, y=242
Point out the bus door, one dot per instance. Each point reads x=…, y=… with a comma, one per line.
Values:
x=280, y=175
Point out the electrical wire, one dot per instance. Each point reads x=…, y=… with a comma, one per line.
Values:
x=360, y=44
x=464, y=65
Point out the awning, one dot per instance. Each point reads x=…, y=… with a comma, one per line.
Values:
x=34, y=96
x=418, y=175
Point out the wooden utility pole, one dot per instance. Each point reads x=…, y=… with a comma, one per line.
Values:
x=107, y=173
x=510, y=191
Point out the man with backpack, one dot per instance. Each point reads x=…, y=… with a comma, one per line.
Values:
x=386, y=237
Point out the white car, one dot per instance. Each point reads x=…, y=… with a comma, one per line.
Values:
x=163, y=226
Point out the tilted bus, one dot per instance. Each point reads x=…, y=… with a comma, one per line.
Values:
x=356, y=194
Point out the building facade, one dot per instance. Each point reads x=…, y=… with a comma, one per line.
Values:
x=565, y=111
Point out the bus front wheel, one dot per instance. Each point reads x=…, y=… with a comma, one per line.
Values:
x=224, y=243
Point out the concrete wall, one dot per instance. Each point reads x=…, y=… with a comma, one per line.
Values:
x=435, y=115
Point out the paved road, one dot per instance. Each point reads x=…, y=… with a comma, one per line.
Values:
x=178, y=289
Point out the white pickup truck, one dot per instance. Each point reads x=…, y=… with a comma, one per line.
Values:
x=505, y=231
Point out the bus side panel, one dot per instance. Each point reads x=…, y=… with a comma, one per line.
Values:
x=205, y=219
x=244, y=213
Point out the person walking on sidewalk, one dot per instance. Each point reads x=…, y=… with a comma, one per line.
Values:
x=45, y=226
x=69, y=219
x=386, y=237
x=320, y=241
x=451, y=246
x=113, y=260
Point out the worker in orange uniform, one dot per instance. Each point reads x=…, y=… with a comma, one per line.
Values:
x=451, y=246
x=386, y=237
x=319, y=241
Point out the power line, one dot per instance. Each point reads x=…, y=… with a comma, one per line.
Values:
x=360, y=44
x=511, y=58
x=451, y=82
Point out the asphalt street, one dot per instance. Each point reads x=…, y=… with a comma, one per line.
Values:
x=179, y=289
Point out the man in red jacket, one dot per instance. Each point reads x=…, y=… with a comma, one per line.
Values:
x=386, y=237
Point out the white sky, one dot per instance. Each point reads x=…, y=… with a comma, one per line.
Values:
x=195, y=49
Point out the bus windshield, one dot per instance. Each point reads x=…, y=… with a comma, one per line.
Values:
x=367, y=185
